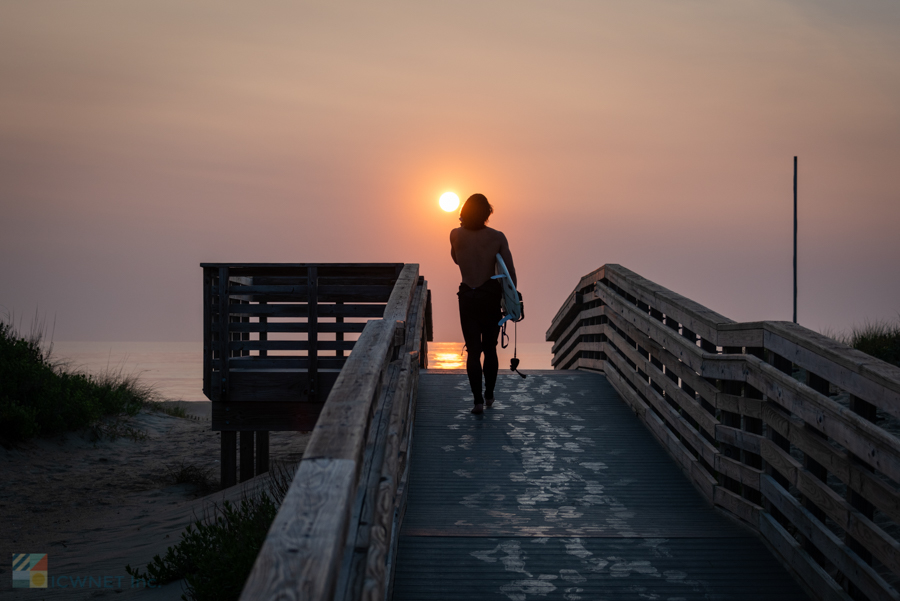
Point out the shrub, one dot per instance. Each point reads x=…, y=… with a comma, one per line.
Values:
x=184, y=473
x=216, y=553
x=38, y=398
x=881, y=339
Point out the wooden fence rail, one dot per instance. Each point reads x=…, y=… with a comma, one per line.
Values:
x=335, y=534
x=788, y=430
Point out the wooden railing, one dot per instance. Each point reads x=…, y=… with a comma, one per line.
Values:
x=335, y=534
x=275, y=337
x=791, y=432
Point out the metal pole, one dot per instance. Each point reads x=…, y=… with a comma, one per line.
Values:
x=795, y=239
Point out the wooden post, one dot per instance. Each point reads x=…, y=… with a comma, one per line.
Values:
x=262, y=436
x=245, y=335
x=795, y=239
x=423, y=351
x=708, y=347
x=207, y=331
x=228, y=450
x=339, y=336
x=818, y=470
x=732, y=420
x=784, y=366
x=429, y=327
x=312, y=333
x=856, y=500
x=658, y=365
x=263, y=334
x=262, y=452
x=246, y=455
x=228, y=457
x=644, y=307
x=224, y=334
x=753, y=425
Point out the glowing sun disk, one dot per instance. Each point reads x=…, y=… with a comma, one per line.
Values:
x=449, y=201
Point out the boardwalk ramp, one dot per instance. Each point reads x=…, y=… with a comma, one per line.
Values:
x=560, y=492
x=674, y=454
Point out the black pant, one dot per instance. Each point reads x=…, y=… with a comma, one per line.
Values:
x=479, y=316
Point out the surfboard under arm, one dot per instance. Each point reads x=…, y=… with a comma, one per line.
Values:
x=512, y=307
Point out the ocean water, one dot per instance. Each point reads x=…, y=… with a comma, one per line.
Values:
x=175, y=369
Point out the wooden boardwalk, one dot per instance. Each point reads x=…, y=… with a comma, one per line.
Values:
x=560, y=492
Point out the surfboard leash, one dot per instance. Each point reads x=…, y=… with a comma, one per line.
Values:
x=514, y=362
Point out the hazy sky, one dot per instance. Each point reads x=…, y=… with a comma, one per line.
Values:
x=138, y=139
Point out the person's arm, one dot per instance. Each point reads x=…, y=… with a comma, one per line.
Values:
x=507, y=258
x=453, y=236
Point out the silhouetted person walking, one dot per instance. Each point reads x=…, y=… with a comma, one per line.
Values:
x=474, y=247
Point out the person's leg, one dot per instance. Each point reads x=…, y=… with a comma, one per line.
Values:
x=474, y=371
x=468, y=320
x=490, y=330
x=491, y=363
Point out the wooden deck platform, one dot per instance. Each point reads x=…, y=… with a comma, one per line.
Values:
x=560, y=492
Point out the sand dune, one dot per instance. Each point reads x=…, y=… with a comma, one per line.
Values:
x=96, y=506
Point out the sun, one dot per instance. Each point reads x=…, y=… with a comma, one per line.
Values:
x=449, y=201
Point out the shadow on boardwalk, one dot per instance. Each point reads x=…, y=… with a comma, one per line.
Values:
x=559, y=492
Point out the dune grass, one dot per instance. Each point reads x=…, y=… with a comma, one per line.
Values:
x=40, y=398
x=182, y=472
x=880, y=339
x=216, y=553
x=168, y=408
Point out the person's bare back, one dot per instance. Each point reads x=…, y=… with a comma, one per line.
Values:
x=475, y=252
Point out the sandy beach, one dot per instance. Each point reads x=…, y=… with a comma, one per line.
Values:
x=95, y=506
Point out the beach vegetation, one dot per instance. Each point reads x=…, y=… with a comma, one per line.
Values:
x=880, y=339
x=168, y=408
x=41, y=398
x=184, y=473
x=115, y=426
x=216, y=553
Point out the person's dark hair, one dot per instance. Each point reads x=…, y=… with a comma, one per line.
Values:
x=475, y=212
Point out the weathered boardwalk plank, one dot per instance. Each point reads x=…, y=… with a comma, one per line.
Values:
x=559, y=492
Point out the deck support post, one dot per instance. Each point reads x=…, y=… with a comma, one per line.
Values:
x=312, y=335
x=262, y=452
x=246, y=455
x=228, y=458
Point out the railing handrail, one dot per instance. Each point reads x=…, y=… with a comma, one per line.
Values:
x=306, y=548
x=724, y=399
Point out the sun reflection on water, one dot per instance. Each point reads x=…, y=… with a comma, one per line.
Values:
x=446, y=355
x=450, y=355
